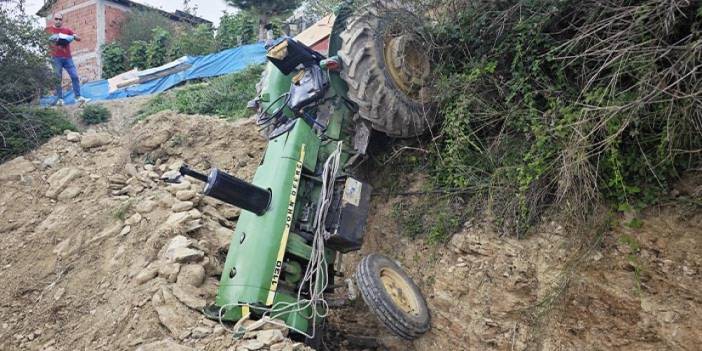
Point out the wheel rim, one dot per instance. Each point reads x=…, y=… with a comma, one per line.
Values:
x=400, y=291
x=408, y=66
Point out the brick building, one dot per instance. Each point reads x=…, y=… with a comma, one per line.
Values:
x=98, y=22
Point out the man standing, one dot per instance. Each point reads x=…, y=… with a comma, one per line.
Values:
x=61, y=38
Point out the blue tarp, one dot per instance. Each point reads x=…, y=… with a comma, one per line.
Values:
x=217, y=64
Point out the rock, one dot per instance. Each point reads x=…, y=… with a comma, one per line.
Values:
x=185, y=195
x=50, y=161
x=200, y=332
x=164, y=345
x=169, y=271
x=146, y=274
x=176, y=165
x=130, y=168
x=185, y=255
x=125, y=230
x=191, y=274
x=176, y=317
x=73, y=137
x=195, y=214
x=91, y=140
x=170, y=175
x=132, y=189
x=230, y=212
x=69, y=193
x=182, y=206
x=252, y=344
x=145, y=206
x=134, y=219
x=175, y=188
x=218, y=330
x=189, y=296
x=147, y=140
x=177, y=219
x=270, y=337
x=60, y=180
x=117, y=179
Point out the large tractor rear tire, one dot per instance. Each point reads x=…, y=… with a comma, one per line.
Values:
x=392, y=296
x=387, y=70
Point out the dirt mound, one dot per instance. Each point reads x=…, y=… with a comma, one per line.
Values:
x=635, y=288
x=98, y=253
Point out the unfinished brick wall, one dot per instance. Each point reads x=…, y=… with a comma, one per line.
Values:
x=114, y=17
x=80, y=16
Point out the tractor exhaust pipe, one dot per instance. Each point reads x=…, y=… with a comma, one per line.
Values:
x=232, y=190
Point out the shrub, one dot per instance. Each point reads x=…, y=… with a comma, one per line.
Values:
x=566, y=103
x=137, y=55
x=24, y=64
x=225, y=96
x=23, y=128
x=113, y=60
x=193, y=42
x=158, y=49
x=94, y=114
x=236, y=29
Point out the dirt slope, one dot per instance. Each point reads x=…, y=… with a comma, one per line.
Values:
x=98, y=254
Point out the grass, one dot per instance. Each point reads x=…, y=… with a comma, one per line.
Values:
x=224, y=96
x=24, y=128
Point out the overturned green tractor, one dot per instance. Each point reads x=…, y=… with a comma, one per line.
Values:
x=305, y=205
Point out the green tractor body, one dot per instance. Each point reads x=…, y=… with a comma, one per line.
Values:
x=309, y=207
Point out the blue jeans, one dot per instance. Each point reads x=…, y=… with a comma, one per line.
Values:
x=59, y=64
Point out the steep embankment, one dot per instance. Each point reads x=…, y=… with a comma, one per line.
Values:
x=98, y=254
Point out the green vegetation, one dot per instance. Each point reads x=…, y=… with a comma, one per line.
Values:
x=632, y=258
x=25, y=74
x=149, y=40
x=562, y=104
x=24, y=128
x=94, y=114
x=265, y=10
x=113, y=60
x=225, y=96
x=236, y=29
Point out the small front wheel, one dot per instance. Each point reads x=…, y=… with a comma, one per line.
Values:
x=392, y=296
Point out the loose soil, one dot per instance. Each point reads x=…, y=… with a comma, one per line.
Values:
x=86, y=225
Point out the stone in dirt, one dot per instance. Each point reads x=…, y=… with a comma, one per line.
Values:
x=69, y=193
x=185, y=255
x=125, y=230
x=189, y=296
x=191, y=274
x=251, y=345
x=60, y=180
x=50, y=161
x=200, y=332
x=134, y=219
x=175, y=316
x=147, y=140
x=91, y=140
x=146, y=274
x=145, y=206
x=182, y=206
x=164, y=345
x=73, y=137
x=169, y=271
x=185, y=195
x=269, y=337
